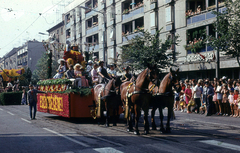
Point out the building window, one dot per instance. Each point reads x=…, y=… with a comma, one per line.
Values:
x=168, y=14
x=153, y=22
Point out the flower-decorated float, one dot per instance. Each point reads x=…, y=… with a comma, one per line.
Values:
x=62, y=97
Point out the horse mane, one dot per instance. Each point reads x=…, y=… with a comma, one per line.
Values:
x=165, y=85
x=142, y=82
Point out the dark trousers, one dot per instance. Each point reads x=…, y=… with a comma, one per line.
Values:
x=198, y=104
x=209, y=105
x=34, y=106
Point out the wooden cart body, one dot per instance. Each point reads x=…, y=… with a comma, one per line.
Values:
x=66, y=105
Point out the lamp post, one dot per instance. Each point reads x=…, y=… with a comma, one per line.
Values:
x=104, y=28
x=217, y=55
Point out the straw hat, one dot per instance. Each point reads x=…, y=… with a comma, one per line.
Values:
x=61, y=60
x=76, y=65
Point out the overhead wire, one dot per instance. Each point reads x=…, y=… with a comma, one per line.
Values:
x=40, y=14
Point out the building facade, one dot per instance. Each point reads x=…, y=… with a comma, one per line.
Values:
x=102, y=29
x=24, y=56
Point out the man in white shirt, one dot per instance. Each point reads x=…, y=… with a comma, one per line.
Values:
x=197, y=91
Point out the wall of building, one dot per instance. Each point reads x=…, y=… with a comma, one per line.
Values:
x=168, y=15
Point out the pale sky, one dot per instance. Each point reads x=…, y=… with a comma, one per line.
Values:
x=20, y=21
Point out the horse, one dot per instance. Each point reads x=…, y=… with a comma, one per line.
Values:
x=163, y=96
x=135, y=95
x=106, y=97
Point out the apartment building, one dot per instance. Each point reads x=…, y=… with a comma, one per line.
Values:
x=57, y=40
x=10, y=59
x=102, y=29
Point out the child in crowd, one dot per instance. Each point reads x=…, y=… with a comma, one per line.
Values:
x=235, y=98
x=182, y=103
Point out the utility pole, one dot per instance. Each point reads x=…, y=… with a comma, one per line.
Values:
x=217, y=55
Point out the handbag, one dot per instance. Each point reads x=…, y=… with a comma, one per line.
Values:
x=191, y=102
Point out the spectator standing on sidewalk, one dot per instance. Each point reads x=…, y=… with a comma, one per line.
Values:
x=188, y=94
x=32, y=100
x=208, y=93
x=197, y=92
x=24, y=97
x=219, y=97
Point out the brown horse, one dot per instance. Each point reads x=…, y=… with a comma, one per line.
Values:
x=135, y=95
x=106, y=97
x=164, y=98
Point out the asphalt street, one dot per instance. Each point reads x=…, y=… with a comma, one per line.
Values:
x=50, y=133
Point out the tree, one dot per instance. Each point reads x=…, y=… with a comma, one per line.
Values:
x=25, y=79
x=41, y=72
x=227, y=27
x=147, y=48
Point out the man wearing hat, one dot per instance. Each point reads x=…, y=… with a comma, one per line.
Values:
x=102, y=72
x=128, y=75
x=112, y=72
x=208, y=93
x=89, y=67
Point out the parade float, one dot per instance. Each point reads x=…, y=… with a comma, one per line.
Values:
x=61, y=97
x=10, y=75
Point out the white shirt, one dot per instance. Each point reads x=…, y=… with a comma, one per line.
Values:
x=197, y=91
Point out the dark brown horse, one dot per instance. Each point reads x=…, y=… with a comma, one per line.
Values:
x=164, y=98
x=107, y=98
x=135, y=95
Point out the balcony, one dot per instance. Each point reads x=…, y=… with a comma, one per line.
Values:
x=68, y=39
x=130, y=36
x=132, y=13
x=96, y=47
x=92, y=12
x=92, y=30
x=68, y=25
x=204, y=15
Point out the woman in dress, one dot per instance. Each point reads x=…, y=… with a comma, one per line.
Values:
x=188, y=94
x=61, y=69
x=81, y=80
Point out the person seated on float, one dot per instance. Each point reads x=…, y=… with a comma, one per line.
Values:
x=81, y=80
x=102, y=72
x=70, y=72
x=128, y=75
x=89, y=67
x=94, y=74
x=83, y=77
x=61, y=69
x=112, y=72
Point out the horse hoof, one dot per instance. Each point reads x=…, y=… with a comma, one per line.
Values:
x=146, y=132
x=168, y=130
x=162, y=130
x=129, y=129
x=154, y=128
x=114, y=124
x=136, y=133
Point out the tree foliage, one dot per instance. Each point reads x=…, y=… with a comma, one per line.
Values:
x=146, y=48
x=41, y=72
x=25, y=79
x=227, y=27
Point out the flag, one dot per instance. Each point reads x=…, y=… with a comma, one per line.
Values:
x=203, y=57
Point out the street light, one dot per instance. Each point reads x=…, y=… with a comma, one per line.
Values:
x=104, y=28
x=217, y=55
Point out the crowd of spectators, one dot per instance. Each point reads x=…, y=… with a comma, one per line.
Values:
x=204, y=96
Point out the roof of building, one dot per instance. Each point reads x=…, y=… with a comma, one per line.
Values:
x=56, y=27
